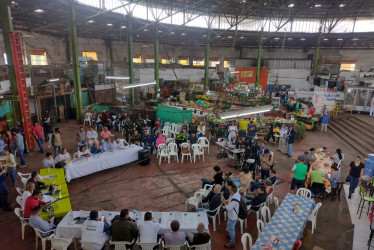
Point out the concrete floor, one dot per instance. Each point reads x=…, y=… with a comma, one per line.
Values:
x=166, y=187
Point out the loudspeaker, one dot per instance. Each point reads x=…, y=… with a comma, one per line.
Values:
x=143, y=154
x=145, y=162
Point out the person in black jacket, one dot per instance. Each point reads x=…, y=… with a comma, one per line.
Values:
x=201, y=237
x=35, y=179
x=258, y=200
x=213, y=199
x=216, y=177
x=290, y=141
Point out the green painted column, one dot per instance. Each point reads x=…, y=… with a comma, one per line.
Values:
x=258, y=67
x=206, y=61
x=157, y=62
x=130, y=56
x=316, y=54
x=7, y=28
x=74, y=61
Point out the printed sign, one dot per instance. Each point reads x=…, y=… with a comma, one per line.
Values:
x=246, y=73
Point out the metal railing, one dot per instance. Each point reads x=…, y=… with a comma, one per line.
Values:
x=339, y=108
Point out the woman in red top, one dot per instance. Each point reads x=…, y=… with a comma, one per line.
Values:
x=9, y=140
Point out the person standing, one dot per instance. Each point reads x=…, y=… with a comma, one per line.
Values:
x=81, y=137
x=20, y=147
x=356, y=169
x=325, y=121
x=324, y=109
x=299, y=170
x=2, y=145
x=232, y=131
x=270, y=133
x=372, y=107
x=283, y=138
x=48, y=130
x=290, y=141
x=267, y=162
x=232, y=208
x=37, y=130
x=251, y=130
x=56, y=141
x=10, y=162
x=4, y=191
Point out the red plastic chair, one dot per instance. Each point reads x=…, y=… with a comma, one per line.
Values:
x=297, y=245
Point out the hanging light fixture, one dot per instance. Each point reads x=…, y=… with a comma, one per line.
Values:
x=245, y=112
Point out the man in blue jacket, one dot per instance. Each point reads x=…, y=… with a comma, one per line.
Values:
x=290, y=140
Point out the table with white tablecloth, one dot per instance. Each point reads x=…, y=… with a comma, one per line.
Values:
x=188, y=221
x=95, y=163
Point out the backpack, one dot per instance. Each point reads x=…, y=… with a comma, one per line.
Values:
x=243, y=212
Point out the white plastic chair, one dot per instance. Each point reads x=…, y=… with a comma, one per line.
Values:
x=258, y=212
x=194, y=200
x=268, y=199
x=24, y=181
x=60, y=243
x=242, y=222
x=204, y=142
x=172, y=151
x=216, y=214
x=165, y=131
x=27, y=175
x=205, y=190
x=20, y=190
x=172, y=132
x=166, y=124
x=170, y=140
x=171, y=247
x=19, y=200
x=186, y=145
x=162, y=151
x=260, y=227
x=247, y=239
x=197, y=150
x=340, y=164
x=312, y=217
x=24, y=221
x=276, y=203
x=90, y=245
x=265, y=214
x=148, y=246
x=121, y=245
x=75, y=155
x=125, y=143
x=87, y=118
x=304, y=192
x=38, y=235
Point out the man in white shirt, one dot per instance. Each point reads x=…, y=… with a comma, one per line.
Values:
x=91, y=136
x=95, y=231
x=118, y=144
x=148, y=229
x=232, y=208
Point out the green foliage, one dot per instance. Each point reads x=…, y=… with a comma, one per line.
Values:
x=300, y=128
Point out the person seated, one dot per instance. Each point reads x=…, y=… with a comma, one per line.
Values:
x=192, y=127
x=243, y=179
x=251, y=131
x=118, y=121
x=94, y=230
x=118, y=144
x=124, y=229
x=325, y=151
x=192, y=139
x=226, y=176
x=36, y=179
x=148, y=229
x=256, y=199
x=174, y=237
x=38, y=223
x=63, y=156
x=81, y=137
x=135, y=138
x=185, y=126
x=214, y=200
x=316, y=180
x=158, y=125
x=267, y=162
x=312, y=155
x=31, y=202
x=148, y=124
x=240, y=144
x=95, y=149
x=181, y=138
x=337, y=157
x=216, y=177
x=83, y=152
x=334, y=177
x=226, y=193
x=48, y=161
x=106, y=119
x=147, y=141
x=27, y=193
x=267, y=182
x=201, y=237
x=108, y=145
x=160, y=139
x=91, y=136
x=201, y=130
x=105, y=133
x=263, y=147
x=307, y=160
x=233, y=129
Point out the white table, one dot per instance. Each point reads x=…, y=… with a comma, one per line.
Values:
x=188, y=221
x=99, y=162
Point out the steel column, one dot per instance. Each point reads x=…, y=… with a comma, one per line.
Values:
x=316, y=54
x=130, y=56
x=206, y=61
x=74, y=61
x=258, y=67
x=7, y=28
x=155, y=45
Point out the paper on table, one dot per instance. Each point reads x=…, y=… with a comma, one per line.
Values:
x=47, y=198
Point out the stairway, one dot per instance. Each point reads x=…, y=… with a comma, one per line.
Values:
x=356, y=131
